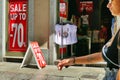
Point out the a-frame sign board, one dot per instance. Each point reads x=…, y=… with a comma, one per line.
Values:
x=36, y=53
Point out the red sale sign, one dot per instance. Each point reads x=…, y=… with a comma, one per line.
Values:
x=88, y=5
x=38, y=54
x=63, y=8
x=17, y=29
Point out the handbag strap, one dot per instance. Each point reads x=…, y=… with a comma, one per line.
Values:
x=118, y=46
x=104, y=47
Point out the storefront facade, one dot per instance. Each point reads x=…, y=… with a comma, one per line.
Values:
x=1, y=30
x=42, y=17
x=39, y=25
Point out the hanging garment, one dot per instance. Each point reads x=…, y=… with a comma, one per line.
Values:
x=85, y=19
x=65, y=34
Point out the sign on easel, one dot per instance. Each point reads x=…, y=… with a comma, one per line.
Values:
x=36, y=53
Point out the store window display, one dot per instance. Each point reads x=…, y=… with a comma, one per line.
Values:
x=103, y=34
x=84, y=22
x=80, y=13
x=110, y=51
x=65, y=33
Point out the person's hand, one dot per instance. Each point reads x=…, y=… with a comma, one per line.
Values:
x=65, y=62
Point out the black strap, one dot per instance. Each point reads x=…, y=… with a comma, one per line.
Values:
x=113, y=49
x=118, y=46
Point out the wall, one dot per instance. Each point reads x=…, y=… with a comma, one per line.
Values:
x=42, y=26
x=0, y=30
x=41, y=22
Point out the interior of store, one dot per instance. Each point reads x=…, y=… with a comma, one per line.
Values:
x=93, y=26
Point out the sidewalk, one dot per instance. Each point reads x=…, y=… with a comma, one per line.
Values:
x=12, y=71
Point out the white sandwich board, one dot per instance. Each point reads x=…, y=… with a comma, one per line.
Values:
x=34, y=51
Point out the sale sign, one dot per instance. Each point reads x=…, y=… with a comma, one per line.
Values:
x=17, y=29
x=34, y=50
x=87, y=5
x=63, y=9
x=38, y=54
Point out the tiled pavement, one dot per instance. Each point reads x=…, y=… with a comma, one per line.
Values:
x=12, y=71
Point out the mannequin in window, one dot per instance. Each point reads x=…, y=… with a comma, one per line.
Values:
x=84, y=22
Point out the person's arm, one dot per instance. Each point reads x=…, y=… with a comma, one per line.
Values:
x=88, y=59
